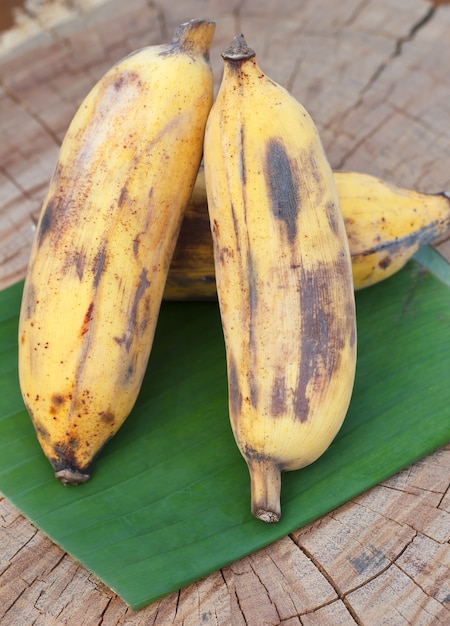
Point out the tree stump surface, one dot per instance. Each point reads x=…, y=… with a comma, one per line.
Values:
x=374, y=76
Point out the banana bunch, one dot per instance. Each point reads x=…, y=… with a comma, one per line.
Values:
x=283, y=274
x=385, y=226
x=266, y=227
x=103, y=245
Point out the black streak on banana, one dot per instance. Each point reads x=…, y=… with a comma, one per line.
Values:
x=419, y=238
x=283, y=187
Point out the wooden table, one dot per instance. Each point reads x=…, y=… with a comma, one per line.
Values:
x=375, y=77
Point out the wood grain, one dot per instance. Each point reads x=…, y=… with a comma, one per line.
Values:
x=374, y=76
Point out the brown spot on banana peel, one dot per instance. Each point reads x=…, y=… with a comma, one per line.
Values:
x=99, y=264
x=316, y=187
x=385, y=262
x=235, y=395
x=136, y=323
x=53, y=224
x=107, y=417
x=87, y=319
x=29, y=297
x=242, y=159
x=253, y=342
x=253, y=383
x=331, y=213
x=136, y=244
x=46, y=223
x=129, y=373
x=123, y=197
x=279, y=397
x=127, y=78
x=79, y=261
x=133, y=321
x=41, y=432
x=57, y=400
x=74, y=260
x=58, y=211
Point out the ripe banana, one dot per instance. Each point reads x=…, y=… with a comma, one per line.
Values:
x=385, y=226
x=283, y=273
x=103, y=245
x=191, y=274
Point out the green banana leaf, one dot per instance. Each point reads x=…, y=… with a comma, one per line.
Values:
x=169, y=499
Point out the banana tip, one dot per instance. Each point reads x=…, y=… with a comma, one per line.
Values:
x=69, y=476
x=270, y=517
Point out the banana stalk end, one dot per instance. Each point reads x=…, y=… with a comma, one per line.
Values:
x=69, y=476
x=265, y=476
x=238, y=50
x=194, y=36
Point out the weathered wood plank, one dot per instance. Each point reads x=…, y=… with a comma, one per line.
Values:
x=374, y=75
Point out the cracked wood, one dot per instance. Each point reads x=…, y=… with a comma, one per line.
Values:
x=375, y=76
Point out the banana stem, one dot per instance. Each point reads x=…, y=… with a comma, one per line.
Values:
x=195, y=37
x=265, y=476
x=238, y=50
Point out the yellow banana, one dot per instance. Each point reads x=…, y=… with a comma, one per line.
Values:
x=385, y=226
x=103, y=245
x=191, y=274
x=283, y=273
